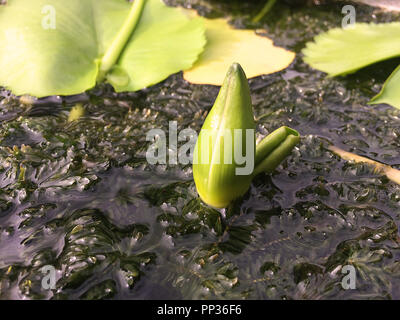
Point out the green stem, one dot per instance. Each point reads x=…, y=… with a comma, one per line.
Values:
x=113, y=53
x=274, y=148
x=264, y=11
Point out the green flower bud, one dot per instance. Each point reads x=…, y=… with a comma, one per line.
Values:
x=225, y=157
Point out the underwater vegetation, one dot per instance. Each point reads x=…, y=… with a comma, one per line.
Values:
x=78, y=194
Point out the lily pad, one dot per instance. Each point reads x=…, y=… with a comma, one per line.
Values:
x=341, y=51
x=166, y=41
x=226, y=45
x=64, y=58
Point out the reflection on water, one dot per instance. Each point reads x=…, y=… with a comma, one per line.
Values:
x=81, y=197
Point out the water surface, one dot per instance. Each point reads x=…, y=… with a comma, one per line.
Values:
x=81, y=197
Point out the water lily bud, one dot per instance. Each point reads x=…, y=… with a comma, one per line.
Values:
x=214, y=164
x=225, y=157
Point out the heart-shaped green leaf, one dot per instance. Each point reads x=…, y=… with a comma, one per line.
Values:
x=55, y=47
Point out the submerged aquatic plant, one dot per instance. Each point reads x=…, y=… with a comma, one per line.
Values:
x=267, y=8
x=392, y=173
x=220, y=170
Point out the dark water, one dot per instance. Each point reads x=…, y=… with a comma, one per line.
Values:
x=81, y=197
